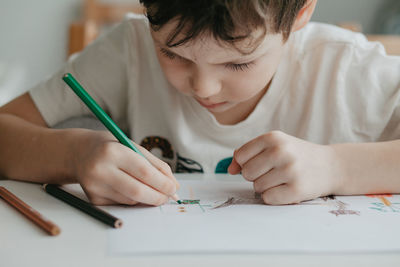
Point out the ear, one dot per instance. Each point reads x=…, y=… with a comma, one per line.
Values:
x=304, y=15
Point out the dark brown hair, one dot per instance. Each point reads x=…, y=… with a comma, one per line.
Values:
x=225, y=20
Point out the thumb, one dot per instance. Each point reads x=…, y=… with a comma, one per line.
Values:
x=234, y=167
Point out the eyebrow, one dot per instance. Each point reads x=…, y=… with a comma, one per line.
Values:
x=162, y=46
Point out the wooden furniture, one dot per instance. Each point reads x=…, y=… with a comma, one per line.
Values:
x=95, y=15
x=390, y=42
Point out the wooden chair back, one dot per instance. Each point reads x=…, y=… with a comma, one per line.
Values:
x=95, y=15
x=390, y=42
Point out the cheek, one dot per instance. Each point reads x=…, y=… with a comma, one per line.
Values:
x=248, y=83
x=175, y=73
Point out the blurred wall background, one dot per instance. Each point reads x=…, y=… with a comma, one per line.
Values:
x=34, y=34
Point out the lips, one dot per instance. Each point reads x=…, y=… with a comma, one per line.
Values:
x=210, y=105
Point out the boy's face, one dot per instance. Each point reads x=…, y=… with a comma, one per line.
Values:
x=222, y=79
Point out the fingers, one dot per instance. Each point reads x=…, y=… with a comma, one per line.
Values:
x=279, y=195
x=117, y=187
x=103, y=194
x=137, y=191
x=259, y=165
x=117, y=197
x=162, y=166
x=234, y=167
x=101, y=201
x=271, y=179
x=140, y=168
x=269, y=141
x=112, y=173
x=248, y=151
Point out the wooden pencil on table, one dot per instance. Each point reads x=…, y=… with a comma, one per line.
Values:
x=29, y=212
x=82, y=205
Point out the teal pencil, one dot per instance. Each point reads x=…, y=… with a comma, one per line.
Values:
x=102, y=115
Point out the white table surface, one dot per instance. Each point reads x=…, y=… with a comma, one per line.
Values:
x=83, y=242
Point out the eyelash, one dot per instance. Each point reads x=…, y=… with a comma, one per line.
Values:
x=237, y=67
x=167, y=53
x=234, y=67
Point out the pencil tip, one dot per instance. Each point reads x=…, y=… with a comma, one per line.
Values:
x=55, y=231
x=118, y=224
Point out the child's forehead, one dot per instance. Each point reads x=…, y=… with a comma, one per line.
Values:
x=206, y=44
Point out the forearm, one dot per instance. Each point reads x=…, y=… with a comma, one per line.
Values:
x=32, y=153
x=368, y=168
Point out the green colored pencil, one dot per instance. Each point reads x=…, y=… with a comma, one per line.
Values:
x=99, y=112
x=102, y=115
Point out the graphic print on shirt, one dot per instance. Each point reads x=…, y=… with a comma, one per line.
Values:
x=222, y=166
x=178, y=164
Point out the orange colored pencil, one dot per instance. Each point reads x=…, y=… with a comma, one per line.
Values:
x=385, y=201
x=29, y=212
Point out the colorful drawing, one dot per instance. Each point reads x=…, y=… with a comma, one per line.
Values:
x=238, y=201
x=181, y=209
x=343, y=211
x=332, y=201
x=341, y=207
x=385, y=205
x=394, y=207
x=190, y=201
x=230, y=201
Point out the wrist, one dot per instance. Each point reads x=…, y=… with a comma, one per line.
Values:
x=71, y=143
x=368, y=168
x=337, y=170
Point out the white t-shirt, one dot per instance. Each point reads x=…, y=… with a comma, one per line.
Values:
x=332, y=86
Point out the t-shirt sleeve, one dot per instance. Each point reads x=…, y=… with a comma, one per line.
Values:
x=100, y=68
x=367, y=84
x=378, y=78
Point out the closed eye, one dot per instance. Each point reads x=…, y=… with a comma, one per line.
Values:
x=169, y=54
x=232, y=66
x=239, y=67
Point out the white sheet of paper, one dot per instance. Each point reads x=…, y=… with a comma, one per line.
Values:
x=342, y=224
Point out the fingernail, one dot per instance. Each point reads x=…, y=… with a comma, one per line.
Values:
x=175, y=197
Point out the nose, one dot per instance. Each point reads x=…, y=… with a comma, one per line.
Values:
x=204, y=84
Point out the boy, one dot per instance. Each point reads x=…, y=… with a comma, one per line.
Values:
x=305, y=111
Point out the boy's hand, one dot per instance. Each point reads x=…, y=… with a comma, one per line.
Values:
x=286, y=169
x=111, y=173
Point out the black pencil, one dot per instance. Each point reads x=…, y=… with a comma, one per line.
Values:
x=82, y=205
